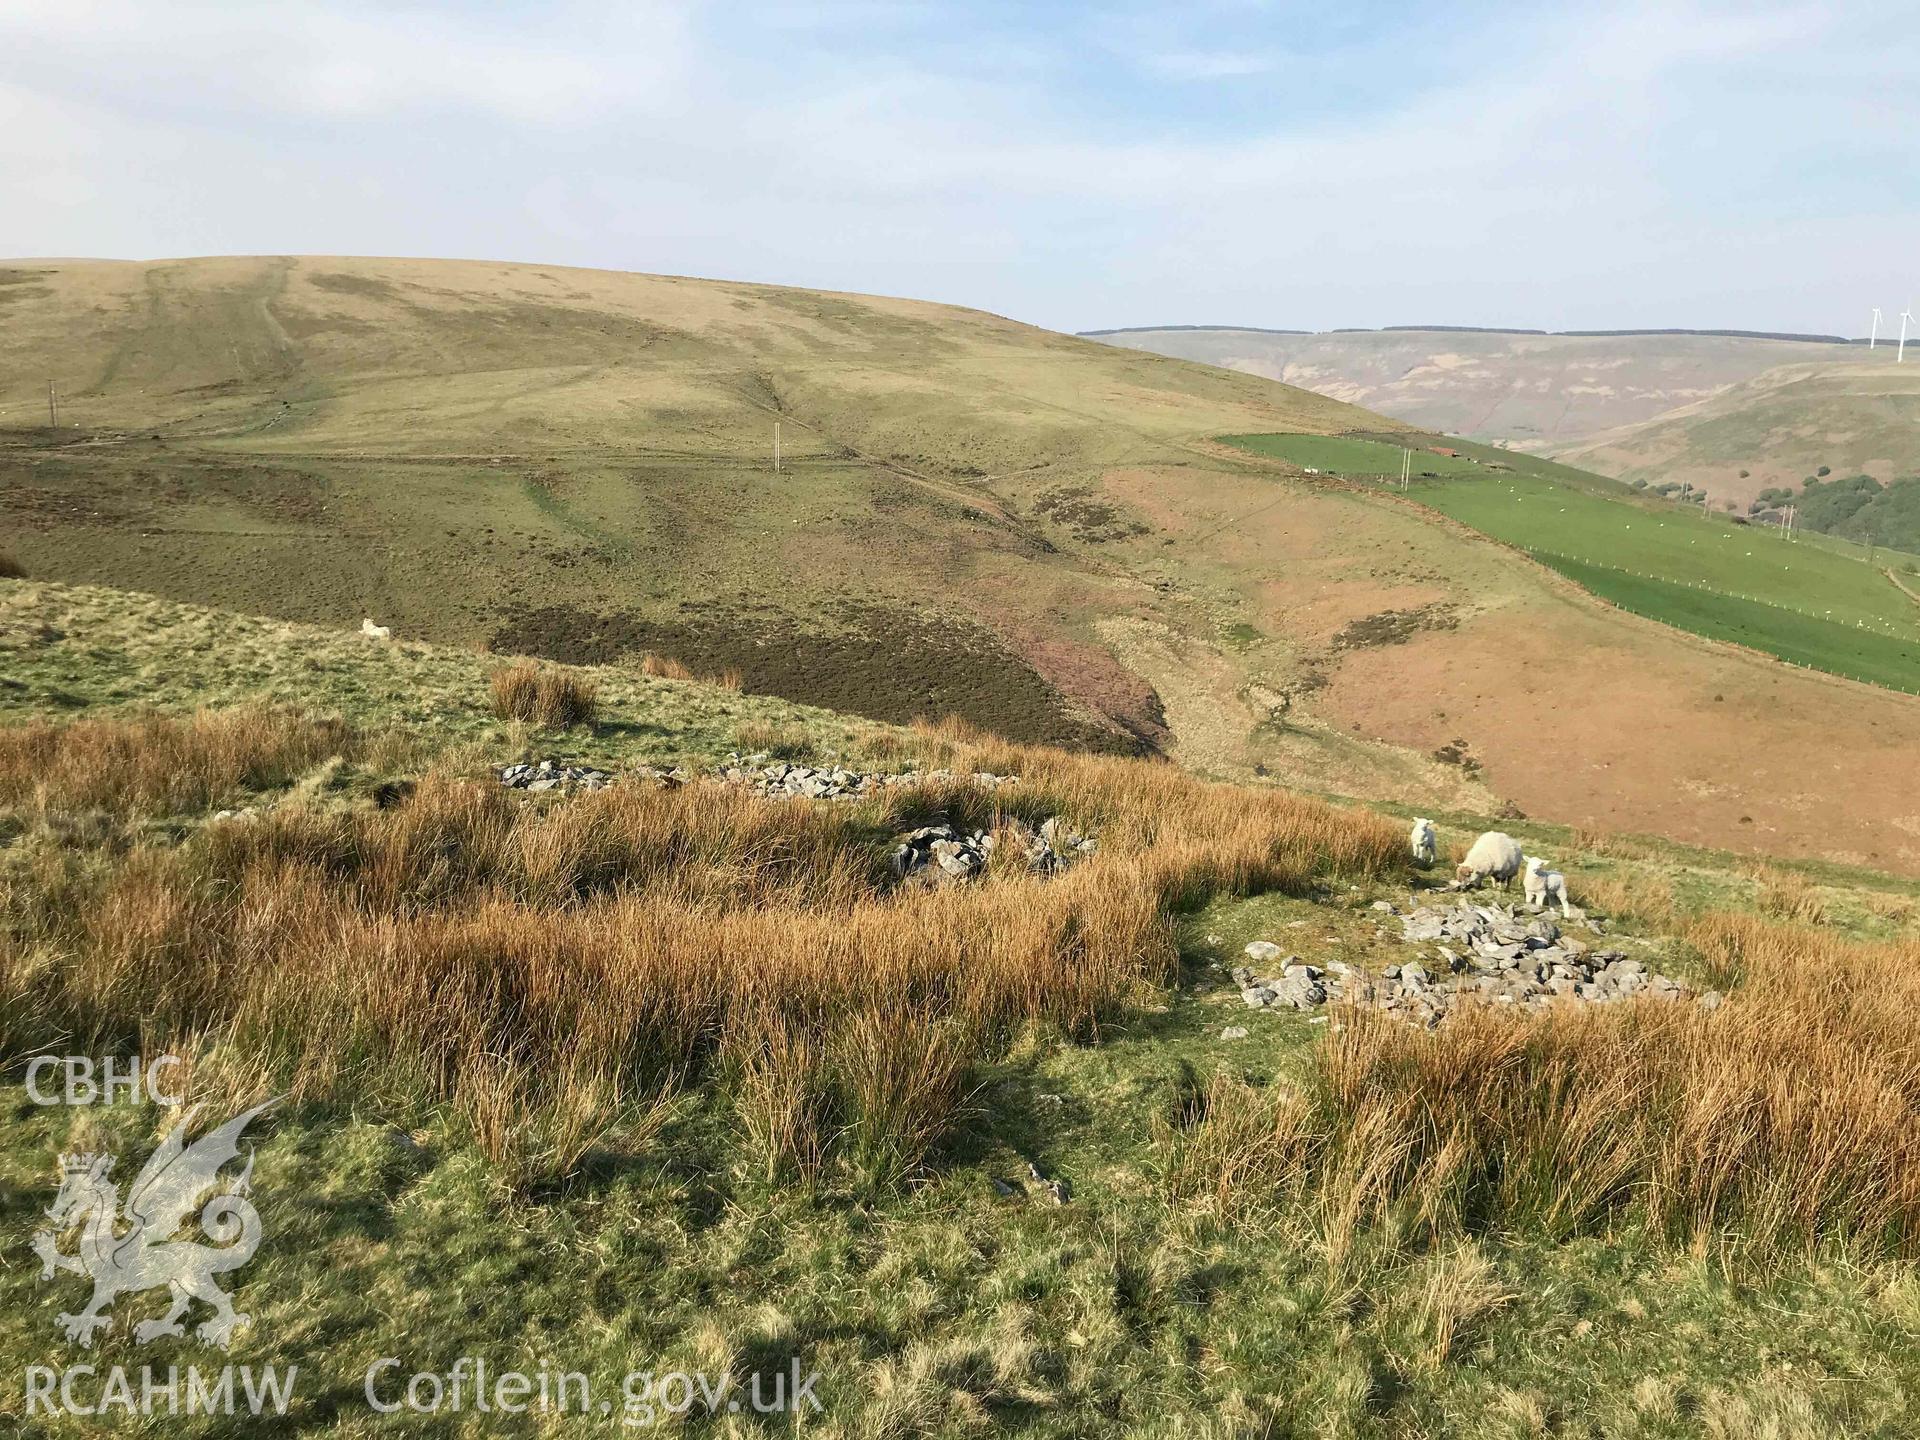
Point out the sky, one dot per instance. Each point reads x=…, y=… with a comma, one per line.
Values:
x=1297, y=165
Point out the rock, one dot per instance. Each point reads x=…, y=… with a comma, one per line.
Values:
x=1234, y=1032
x=1058, y=1190
x=1263, y=952
x=1510, y=959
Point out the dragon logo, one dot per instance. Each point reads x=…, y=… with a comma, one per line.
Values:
x=146, y=1256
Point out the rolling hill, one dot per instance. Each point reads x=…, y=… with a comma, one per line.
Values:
x=1039, y=533
x=1774, y=430
x=1534, y=391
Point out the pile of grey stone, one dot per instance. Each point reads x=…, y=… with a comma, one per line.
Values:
x=1489, y=954
x=553, y=775
x=766, y=776
x=937, y=855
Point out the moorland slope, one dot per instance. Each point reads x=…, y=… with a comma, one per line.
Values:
x=1538, y=392
x=1774, y=430
x=973, y=516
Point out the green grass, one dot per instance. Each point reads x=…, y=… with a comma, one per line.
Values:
x=1801, y=639
x=1344, y=455
x=947, y=1307
x=950, y=1308
x=1810, y=604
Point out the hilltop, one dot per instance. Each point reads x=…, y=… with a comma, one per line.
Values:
x=1038, y=533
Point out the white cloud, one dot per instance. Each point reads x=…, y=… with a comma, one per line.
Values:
x=1639, y=164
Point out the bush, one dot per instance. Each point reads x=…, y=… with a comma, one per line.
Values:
x=543, y=695
x=10, y=568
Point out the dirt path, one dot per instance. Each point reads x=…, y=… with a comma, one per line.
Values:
x=1901, y=585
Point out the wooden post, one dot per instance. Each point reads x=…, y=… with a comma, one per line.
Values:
x=776, y=447
x=53, y=408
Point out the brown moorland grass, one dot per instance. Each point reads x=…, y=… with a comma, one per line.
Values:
x=153, y=764
x=512, y=957
x=1784, y=1118
x=544, y=695
x=665, y=667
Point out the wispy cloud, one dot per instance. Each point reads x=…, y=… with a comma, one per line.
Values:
x=1284, y=164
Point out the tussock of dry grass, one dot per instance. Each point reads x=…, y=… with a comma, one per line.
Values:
x=665, y=667
x=544, y=695
x=1790, y=896
x=1785, y=1117
x=541, y=961
x=1644, y=902
x=153, y=765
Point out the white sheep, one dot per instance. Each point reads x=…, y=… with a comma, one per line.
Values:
x=375, y=632
x=1492, y=854
x=1543, y=885
x=1426, y=845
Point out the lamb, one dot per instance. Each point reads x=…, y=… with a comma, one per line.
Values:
x=375, y=632
x=1543, y=885
x=1492, y=854
x=1425, y=843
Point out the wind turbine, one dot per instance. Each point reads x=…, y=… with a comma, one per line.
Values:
x=1900, y=355
x=1873, y=335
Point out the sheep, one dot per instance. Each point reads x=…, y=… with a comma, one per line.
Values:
x=1492, y=854
x=1425, y=843
x=1543, y=885
x=375, y=632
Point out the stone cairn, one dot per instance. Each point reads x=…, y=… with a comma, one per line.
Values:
x=1492, y=954
x=553, y=775
x=930, y=856
x=936, y=855
x=781, y=777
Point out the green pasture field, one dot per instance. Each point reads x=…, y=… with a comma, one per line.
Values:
x=1805, y=640
x=1806, y=603
x=1346, y=455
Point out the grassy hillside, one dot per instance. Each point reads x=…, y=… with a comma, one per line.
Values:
x=1546, y=392
x=580, y=463
x=663, y=1080
x=1674, y=563
x=1774, y=429
x=973, y=517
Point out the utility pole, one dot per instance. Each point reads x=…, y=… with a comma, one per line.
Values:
x=53, y=408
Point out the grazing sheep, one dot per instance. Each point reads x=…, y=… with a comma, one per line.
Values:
x=375, y=632
x=1492, y=854
x=1426, y=844
x=1543, y=885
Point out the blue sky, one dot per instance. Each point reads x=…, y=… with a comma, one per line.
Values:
x=1076, y=165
